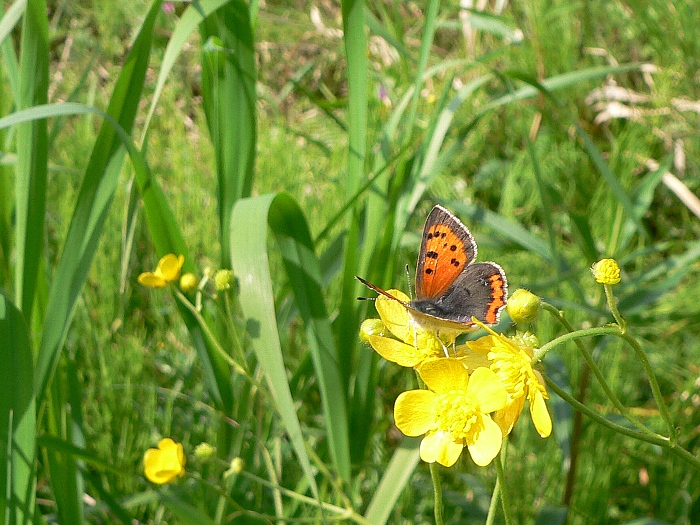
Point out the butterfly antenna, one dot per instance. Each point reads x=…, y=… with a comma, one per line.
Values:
x=408, y=279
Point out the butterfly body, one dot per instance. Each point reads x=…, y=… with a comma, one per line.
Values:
x=450, y=288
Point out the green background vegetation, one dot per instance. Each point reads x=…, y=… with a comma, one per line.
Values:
x=363, y=131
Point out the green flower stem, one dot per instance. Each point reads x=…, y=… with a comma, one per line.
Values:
x=339, y=512
x=654, y=439
x=207, y=332
x=613, y=307
x=594, y=366
x=437, y=490
x=685, y=456
x=663, y=410
x=501, y=477
x=495, y=498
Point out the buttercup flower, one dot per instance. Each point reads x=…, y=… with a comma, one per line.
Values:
x=453, y=413
x=165, y=463
x=413, y=345
x=511, y=360
x=606, y=271
x=188, y=282
x=167, y=271
x=523, y=306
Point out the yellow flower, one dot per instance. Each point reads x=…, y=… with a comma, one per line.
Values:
x=165, y=463
x=511, y=360
x=167, y=271
x=188, y=282
x=453, y=413
x=412, y=345
x=523, y=306
x=606, y=271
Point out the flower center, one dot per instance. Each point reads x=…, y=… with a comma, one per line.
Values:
x=456, y=414
x=513, y=370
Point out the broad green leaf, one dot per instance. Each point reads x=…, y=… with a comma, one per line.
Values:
x=17, y=417
x=250, y=220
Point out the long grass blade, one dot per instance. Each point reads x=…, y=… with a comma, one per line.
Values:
x=355, y=40
x=228, y=89
x=96, y=193
x=394, y=480
x=32, y=155
x=17, y=417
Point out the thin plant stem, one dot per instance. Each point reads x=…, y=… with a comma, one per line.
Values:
x=654, y=439
x=437, y=491
x=613, y=308
x=501, y=476
x=594, y=367
x=209, y=335
x=663, y=410
x=493, y=506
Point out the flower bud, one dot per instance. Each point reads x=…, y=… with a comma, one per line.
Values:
x=223, y=280
x=523, y=306
x=370, y=327
x=204, y=451
x=606, y=271
x=188, y=282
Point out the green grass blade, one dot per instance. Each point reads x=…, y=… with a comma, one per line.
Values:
x=394, y=480
x=32, y=155
x=189, y=21
x=228, y=89
x=17, y=417
x=250, y=220
x=355, y=40
x=9, y=20
x=555, y=83
x=62, y=419
x=94, y=199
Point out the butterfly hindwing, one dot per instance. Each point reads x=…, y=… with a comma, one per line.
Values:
x=480, y=291
x=447, y=248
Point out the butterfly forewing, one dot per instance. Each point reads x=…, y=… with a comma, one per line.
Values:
x=446, y=250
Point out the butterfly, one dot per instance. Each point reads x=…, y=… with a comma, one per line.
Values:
x=450, y=287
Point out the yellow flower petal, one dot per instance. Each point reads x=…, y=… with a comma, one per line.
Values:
x=396, y=351
x=151, y=280
x=169, y=267
x=540, y=415
x=444, y=375
x=487, y=443
x=489, y=391
x=507, y=417
x=414, y=412
x=394, y=314
x=472, y=360
x=440, y=447
x=165, y=463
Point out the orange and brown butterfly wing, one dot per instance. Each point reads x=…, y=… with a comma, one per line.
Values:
x=446, y=250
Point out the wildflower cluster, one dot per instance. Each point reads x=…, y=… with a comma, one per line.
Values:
x=475, y=392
